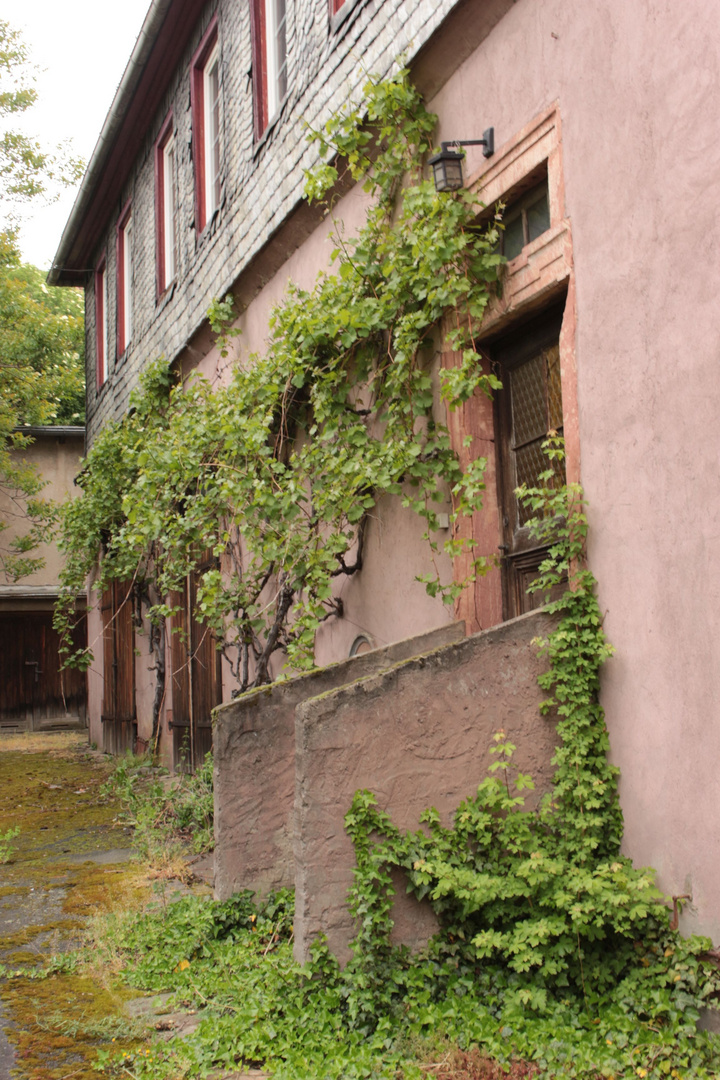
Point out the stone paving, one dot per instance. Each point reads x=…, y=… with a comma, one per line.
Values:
x=68, y=847
x=48, y=786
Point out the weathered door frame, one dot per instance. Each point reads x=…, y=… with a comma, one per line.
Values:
x=118, y=708
x=196, y=675
x=521, y=555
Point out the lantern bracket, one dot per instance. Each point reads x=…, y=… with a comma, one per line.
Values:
x=487, y=142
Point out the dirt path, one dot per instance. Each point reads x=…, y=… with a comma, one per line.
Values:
x=69, y=861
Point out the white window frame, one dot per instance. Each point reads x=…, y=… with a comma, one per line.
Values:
x=104, y=336
x=169, y=213
x=276, y=34
x=127, y=243
x=211, y=130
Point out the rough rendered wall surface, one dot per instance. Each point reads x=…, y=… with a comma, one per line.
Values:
x=254, y=750
x=57, y=458
x=417, y=735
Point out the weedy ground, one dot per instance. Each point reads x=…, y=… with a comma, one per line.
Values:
x=65, y=863
x=82, y=936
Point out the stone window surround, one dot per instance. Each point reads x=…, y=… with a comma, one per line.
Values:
x=204, y=52
x=543, y=272
x=544, y=266
x=540, y=276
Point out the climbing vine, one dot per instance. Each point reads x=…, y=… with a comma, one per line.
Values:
x=545, y=889
x=537, y=901
x=554, y=956
x=552, y=946
x=276, y=473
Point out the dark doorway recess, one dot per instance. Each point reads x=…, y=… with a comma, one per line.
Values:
x=35, y=694
x=529, y=406
x=196, y=677
x=118, y=710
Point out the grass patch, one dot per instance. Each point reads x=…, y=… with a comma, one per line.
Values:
x=437, y=1014
x=171, y=816
x=59, y=1015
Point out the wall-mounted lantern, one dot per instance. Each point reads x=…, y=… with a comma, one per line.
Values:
x=447, y=165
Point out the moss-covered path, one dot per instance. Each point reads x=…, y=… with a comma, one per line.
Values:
x=68, y=862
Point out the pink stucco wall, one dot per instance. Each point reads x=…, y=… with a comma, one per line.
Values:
x=57, y=459
x=637, y=89
x=386, y=603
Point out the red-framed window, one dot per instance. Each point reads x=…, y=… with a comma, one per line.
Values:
x=205, y=93
x=166, y=230
x=124, y=279
x=101, y=323
x=269, y=36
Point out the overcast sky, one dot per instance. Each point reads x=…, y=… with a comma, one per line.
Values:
x=81, y=47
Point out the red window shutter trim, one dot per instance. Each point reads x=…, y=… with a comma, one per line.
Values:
x=260, y=74
x=197, y=107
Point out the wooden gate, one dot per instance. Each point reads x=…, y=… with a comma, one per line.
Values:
x=118, y=711
x=196, y=679
x=34, y=693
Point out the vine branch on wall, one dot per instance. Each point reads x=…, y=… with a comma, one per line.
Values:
x=277, y=472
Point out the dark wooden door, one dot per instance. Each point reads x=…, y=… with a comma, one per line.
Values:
x=34, y=692
x=528, y=407
x=196, y=678
x=118, y=710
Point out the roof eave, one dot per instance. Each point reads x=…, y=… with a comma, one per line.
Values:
x=147, y=74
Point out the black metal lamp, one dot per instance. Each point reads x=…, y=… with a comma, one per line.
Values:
x=447, y=165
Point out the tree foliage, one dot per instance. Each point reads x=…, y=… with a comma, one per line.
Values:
x=41, y=329
x=277, y=472
x=42, y=380
x=26, y=169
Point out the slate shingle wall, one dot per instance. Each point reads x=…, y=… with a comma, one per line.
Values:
x=261, y=183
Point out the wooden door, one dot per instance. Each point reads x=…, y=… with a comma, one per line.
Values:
x=196, y=678
x=35, y=693
x=118, y=711
x=528, y=407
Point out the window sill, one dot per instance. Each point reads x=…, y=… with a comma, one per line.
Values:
x=209, y=229
x=272, y=124
x=533, y=279
x=339, y=20
x=120, y=360
x=165, y=296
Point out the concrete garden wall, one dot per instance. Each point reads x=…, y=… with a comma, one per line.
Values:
x=412, y=722
x=417, y=735
x=254, y=753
